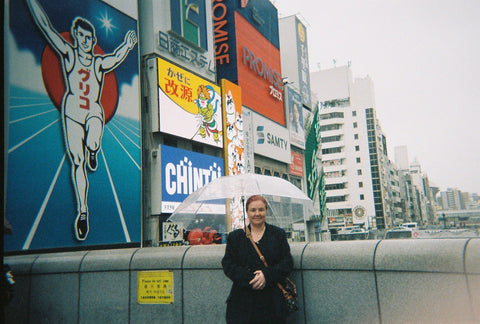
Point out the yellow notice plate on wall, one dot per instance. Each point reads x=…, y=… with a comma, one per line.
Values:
x=155, y=287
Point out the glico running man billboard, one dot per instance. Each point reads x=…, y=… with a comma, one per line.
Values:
x=74, y=149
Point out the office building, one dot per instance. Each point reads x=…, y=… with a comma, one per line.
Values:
x=354, y=150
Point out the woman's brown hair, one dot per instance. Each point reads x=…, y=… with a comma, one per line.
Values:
x=254, y=198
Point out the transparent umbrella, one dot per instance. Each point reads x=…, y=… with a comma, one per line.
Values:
x=219, y=204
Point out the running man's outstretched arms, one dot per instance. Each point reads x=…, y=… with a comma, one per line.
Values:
x=111, y=61
x=42, y=21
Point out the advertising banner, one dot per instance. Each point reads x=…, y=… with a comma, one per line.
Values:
x=261, y=15
x=303, y=65
x=270, y=139
x=248, y=139
x=194, y=101
x=314, y=172
x=296, y=166
x=295, y=117
x=313, y=144
x=233, y=135
x=179, y=31
x=74, y=168
x=183, y=172
x=259, y=72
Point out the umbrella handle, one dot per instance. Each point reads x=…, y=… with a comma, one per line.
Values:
x=243, y=212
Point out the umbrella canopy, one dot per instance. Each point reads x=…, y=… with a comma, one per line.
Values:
x=225, y=196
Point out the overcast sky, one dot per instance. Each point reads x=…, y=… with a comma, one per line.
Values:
x=424, y=59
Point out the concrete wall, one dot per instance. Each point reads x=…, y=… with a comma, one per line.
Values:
x=388, y=281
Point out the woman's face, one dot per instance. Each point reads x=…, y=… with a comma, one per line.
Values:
x=257, y=212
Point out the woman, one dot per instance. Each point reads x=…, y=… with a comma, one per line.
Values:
x=255, y=296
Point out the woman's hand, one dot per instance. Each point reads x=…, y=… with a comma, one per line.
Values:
x=258, y=282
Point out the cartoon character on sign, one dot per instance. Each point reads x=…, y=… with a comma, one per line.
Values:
x=83, y=116
x=206, y=112
x=234, y=126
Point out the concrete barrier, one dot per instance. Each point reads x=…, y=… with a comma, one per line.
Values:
x=373, y=281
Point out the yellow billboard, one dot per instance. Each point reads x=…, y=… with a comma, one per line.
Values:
x=189, y=106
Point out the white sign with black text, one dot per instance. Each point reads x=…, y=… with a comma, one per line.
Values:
x=271, y=139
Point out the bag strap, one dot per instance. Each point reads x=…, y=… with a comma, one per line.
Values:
x=249, y=236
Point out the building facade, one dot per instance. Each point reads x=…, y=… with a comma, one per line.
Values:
x=354, y=152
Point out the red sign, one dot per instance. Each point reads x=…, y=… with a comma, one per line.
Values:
x=259, y=71
x=296, y=167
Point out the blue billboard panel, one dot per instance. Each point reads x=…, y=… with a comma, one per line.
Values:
x=74, y=170
x=183, y=172
x=262, y=15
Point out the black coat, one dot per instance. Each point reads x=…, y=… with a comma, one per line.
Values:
x=245, y=305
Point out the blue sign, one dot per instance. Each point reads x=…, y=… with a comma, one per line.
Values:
x=262, y=14
x=183, y=172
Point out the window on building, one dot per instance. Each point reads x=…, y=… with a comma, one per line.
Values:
x=258, y=170
x=355, y=136
x=362, y=197
x=359, y=171
x=330, y=139
x=335, y=186
x=332, y=150
x=267, y=172
x=354, y=113
x=331, y=115
x=330, y=127
x=360, y=184
x=332, y=162
x=335, y=174
x=336, y=199
x=297, y=182
x=355, y=125
x=358, y=160
x=357, y=148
